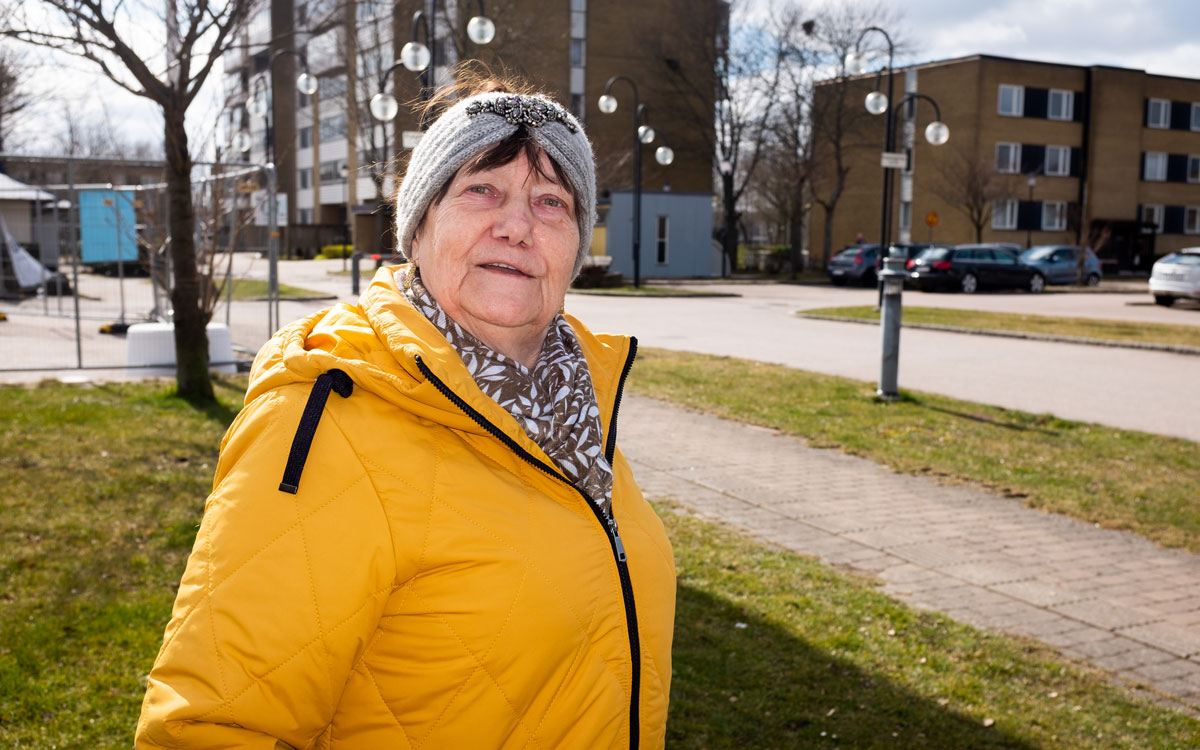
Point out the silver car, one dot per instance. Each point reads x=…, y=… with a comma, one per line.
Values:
x=1176, y=276
x=1060, y=263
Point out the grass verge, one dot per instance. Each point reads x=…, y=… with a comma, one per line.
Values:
x=244, y=289
x=1117, y=478
x=1108, y=330
x=772, y=649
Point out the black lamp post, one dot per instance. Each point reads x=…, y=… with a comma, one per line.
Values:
x=877, y=103
x=642, y=134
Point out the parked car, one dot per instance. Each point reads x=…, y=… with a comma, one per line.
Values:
x=854, y=263
x=1176, y=276
x=909, y=250
x=1060, y=263
x=969, y=268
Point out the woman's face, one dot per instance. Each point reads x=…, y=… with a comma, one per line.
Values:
x=497, y=254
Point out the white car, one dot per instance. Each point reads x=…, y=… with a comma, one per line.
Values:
x=1176, y=276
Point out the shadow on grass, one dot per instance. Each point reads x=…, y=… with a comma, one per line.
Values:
x=1013, y=426
x=761, y=686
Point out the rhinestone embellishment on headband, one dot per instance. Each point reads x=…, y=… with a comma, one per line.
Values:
x=523, y=110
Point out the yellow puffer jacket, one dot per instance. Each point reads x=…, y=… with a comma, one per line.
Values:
x=432, y=582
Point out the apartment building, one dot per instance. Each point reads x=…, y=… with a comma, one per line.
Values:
x=1039, y=153
x=569, y=49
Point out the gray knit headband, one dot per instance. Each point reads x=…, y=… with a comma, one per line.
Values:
x=475, y=124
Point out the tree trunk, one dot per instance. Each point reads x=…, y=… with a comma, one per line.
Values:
x=191, y=336
x=730, y=240
x=978, y=233
x=827, y=239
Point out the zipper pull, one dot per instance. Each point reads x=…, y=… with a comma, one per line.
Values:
x=612, y=525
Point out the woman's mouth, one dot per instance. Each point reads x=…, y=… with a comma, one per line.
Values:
x=506, y=269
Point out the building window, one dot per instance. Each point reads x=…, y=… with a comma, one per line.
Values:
x=1008, y=158
x=305, y=178
x=1054, y=216
x=1061, y=105
x=1154, y=167
x=577, y=53
x=1058, y=161
x=1004, y=214
x=331, y=171
x=1191, y=220
x=305, y=215
x=1012, y=100
x=1195, y=115
x=333, y=128
x=1158, y=113
x=306, y=137
x=660, y=251
x=1152, y=215
x=1193, y=173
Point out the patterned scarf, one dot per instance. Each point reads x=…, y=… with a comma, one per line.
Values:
x=554, y=402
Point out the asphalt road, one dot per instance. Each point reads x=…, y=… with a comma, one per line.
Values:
x=1150, y=391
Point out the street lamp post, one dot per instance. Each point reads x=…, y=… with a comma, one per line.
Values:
x=258, y=106
x=891, y=275
x=1032, y=182
x=877, y=103
x=642, y=134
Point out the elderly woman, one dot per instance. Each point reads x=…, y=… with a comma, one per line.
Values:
x=452, y=552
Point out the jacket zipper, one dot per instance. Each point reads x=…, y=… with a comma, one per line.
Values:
x=608, y=523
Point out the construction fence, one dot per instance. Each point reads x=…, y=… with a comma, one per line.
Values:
x=82, y=262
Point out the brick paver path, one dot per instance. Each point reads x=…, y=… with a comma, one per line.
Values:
x=1105, y=596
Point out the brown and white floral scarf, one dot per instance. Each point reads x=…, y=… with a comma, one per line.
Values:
x=554, y=402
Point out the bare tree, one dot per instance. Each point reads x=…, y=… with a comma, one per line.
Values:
x=746, y=64
x=839, y=121
x=107, y=34
x=15, y=96
x=971, y=185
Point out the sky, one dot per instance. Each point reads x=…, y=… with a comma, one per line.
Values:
x=1158, y=36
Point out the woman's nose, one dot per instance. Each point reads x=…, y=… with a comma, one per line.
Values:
x=514, y=221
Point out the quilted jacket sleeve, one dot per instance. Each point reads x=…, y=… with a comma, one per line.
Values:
x=281, y=594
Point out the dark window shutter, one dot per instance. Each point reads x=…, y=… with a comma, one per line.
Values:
x=1081, y=103
x=1029, y=215
x=1177, y=167
x=1181, y=115
x=1033, y=158
x=1076, y=161
x=1173, y=220
x=1036, y=102
x=1142, y=165
x=1146, y=112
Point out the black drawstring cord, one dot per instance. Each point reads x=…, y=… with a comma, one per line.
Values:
x=335, y=380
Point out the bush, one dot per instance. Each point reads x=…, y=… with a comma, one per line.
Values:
x=334, y=251
x=597, y=277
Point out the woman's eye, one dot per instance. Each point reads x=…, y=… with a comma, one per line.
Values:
x=480, y=189
x=553, y=202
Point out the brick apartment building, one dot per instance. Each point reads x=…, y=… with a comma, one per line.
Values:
x=1054, y=153
x=568, y=48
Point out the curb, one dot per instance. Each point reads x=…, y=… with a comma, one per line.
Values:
x=1171, y=348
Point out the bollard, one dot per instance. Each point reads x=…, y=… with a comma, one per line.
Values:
x=354, y=262
x=892, y=283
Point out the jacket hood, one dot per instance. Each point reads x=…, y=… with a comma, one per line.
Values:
x=382, y=343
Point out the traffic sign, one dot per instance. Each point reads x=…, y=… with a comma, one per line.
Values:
x=893, y=160
x=931, y=219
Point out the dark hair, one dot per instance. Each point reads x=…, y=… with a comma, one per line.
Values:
x=473, y=77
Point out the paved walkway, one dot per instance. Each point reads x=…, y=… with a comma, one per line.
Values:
x=1107, y=597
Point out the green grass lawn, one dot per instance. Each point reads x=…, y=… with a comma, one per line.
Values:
x=105, y=490
x=1090, y=328
x=1117, y=478
x=244, y=289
